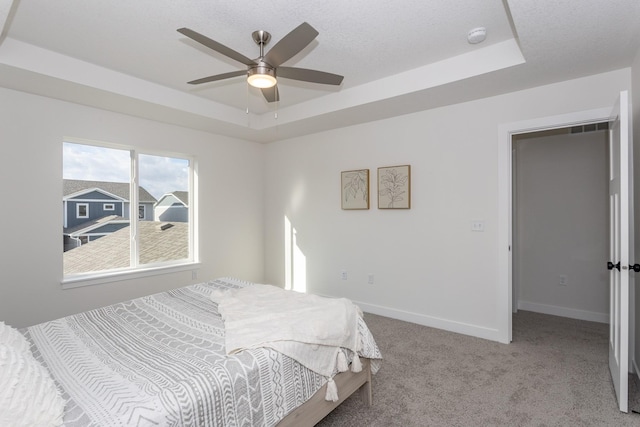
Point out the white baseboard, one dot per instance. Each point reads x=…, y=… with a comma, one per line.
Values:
x=433, y=322
x=572, y=313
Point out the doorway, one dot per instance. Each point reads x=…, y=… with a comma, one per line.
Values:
x=621, y=322
x=505, y=135
x=560, y=222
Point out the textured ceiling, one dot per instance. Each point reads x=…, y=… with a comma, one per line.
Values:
x=397, y=57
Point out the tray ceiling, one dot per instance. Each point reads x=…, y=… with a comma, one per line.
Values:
x=397, y=57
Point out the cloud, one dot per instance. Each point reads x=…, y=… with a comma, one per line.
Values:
x=158, y=174
x=95, y=163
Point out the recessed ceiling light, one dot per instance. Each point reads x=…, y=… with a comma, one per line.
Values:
x=477, y=35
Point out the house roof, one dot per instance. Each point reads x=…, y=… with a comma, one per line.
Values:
x=112, y=251
x=90, y=225
x=396, y=58
x=182, y=196
x=120, y=189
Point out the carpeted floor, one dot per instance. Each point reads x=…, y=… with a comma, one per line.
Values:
x=554, y=373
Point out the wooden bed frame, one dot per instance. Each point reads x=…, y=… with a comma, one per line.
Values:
x=315, y=409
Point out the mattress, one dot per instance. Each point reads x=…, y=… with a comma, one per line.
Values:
x=160, y=360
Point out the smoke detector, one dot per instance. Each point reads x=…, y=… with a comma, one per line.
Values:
x=477, y=35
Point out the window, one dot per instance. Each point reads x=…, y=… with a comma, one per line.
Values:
x=82, y=210
x=139, y=240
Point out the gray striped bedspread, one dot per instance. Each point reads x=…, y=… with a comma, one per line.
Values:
x=160, y=360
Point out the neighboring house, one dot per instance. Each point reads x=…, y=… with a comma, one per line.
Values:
x=158, y=242
x=172, y=207
x=93, y=209
x=92, y=230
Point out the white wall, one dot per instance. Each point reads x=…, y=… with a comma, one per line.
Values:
x=429, y=267
x=31, y=134
x=561, y=224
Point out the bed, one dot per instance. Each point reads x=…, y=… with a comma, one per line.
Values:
x=160, y=360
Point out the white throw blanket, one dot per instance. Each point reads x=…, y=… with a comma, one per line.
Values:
x=308, y=328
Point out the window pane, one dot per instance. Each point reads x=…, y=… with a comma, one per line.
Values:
x=163, y=195
x=95, y=208
x=82, y=210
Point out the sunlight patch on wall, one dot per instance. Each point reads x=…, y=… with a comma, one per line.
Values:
x=295, y=262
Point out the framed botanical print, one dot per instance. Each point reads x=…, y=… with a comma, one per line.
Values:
x=394, y=187
x=355, y=189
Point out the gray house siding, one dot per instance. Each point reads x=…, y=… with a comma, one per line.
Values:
x=96, y=210
x=104, y=203
x=148, y=211
x=102, y=191
x=173, y=207
x=109, y=228
x=97, y=195
x=177, y=213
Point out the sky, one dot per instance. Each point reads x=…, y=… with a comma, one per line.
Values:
x=158, y=174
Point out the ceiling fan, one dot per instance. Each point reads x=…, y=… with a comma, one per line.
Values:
x=263, y=71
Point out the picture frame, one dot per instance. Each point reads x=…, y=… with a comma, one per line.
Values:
x=394, y=187
x=354, y=186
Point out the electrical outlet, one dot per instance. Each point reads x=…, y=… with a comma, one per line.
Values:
x=343, y=274
x=563, y=280
x=477, y=225
x=370, y=279
x=194, y=274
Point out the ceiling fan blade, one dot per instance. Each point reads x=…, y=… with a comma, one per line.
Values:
x=218, y=77
x=218, y=47
x=313, y=76
x=271, y=94
x=291, y=44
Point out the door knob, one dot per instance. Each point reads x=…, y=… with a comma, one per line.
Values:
x=611, y=266
x=635, y=267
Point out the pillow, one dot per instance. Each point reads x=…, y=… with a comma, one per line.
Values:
x=28, y=395
x=11, y=337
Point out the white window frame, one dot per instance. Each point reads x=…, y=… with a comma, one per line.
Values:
x=109, y=207
x=86, y=205
x=135, y=270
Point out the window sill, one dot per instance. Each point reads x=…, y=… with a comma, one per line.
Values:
x=117, y=276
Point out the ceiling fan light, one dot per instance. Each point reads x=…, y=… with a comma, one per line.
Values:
x=261, y=81
x=261, y=77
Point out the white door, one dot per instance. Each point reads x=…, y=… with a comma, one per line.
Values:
x=620, y=246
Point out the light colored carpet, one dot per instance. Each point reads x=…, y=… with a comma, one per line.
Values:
x=554, y=373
